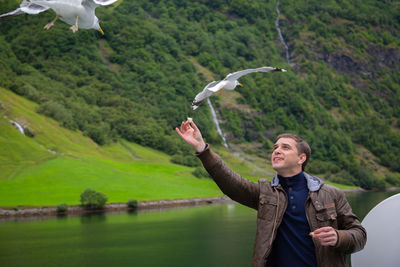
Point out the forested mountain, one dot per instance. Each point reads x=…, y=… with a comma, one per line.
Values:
x=341, y=92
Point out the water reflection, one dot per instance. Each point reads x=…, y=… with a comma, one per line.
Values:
x=363, y=202
x=214, y=235
x=90, y=218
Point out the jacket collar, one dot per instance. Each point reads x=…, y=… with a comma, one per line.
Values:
x=313, y=183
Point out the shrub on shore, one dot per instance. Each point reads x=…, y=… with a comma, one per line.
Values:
x=92, y=199
x=132, y=203
x=62, y=207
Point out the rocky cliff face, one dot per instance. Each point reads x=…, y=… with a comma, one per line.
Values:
x=377, y=57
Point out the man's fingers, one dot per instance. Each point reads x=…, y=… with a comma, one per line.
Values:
x=330, y=243
x=323, y=229
x=184, y=129
x=186, y=125
x=194, y=126
x=327, y=242
x=178, y=131
x=326, y=236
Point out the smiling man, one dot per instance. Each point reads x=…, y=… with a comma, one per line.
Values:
x=290, y=155
x=300, y=220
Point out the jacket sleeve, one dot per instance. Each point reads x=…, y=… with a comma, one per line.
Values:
x=231, y=184
x=352, y=236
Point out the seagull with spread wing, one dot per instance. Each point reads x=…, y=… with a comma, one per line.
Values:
x=78, y=13
x=229, y=83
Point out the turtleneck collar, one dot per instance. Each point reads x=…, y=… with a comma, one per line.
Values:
x=313, y=183
x=296, y=182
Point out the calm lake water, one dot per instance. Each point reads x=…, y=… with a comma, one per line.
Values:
x=215, y=235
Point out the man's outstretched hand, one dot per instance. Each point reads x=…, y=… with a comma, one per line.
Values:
x=192, y=135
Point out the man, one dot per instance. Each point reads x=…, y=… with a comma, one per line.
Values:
x=300, y=221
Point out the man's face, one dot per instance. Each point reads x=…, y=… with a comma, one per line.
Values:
x=285, y=157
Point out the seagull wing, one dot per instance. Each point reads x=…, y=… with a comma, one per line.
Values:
x=236, y=75
x=95, y=3
x=18, y=11
x=203, y=95
x=103, y=2
x=217, y=86
x=25, y=7
x=32, y=8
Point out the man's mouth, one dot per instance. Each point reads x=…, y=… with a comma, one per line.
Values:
x=277, y=159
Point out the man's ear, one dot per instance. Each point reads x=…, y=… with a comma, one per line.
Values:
x=303, y=158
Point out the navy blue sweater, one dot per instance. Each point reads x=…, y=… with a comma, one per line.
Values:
x=293, y=247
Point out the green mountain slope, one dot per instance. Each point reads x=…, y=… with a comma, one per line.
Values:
x=56, y=165
x=136, y=82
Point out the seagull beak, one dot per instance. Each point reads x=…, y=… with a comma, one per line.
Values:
x=240, y=84
x=102, y=33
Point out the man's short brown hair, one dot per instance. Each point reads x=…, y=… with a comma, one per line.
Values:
x=301, y=145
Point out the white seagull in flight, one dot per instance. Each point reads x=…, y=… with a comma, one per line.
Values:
x=229, y=83
x=78, y=13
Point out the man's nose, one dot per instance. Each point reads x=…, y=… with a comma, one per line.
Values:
x=276, y=151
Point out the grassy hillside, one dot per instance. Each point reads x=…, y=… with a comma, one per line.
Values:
x=56, y=165
x=136, y=82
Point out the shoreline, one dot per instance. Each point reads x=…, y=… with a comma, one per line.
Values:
x=25, y=211
x=355, y=190
x=112, y=207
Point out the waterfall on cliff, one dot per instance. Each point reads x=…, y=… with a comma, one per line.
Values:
x=280, y=33
x=215, y=119
x=18, y=126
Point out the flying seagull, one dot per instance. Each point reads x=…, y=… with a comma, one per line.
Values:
x=78, y=13
x=229, y=83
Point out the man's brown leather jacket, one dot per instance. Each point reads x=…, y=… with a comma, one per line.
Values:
x=325, y=206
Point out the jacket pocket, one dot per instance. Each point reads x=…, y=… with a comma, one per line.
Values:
x=327, y=217
x=267, y=208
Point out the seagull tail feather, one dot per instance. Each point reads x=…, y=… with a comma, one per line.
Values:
x=196, y=104
x=278, y=69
